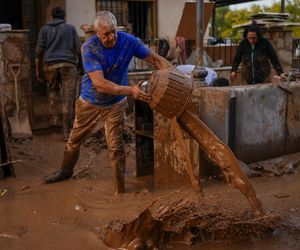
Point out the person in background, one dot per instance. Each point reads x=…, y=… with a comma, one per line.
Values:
x=106, y=56
x=188, y=68
x=256, y=53
x=211, y=79
x=220, y=82
x=58, y=52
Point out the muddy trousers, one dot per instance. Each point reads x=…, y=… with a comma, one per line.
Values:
x=62, y=85
x=86, y=119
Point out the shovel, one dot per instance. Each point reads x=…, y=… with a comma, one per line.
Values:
x=19, y=123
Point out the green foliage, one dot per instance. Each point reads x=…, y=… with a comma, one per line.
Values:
x=293, y=7
x=276, y=7
x=220, y=23
x=226, y=18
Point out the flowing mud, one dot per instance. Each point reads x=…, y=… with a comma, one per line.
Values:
x=170, y=92
x=223, y=157
x=183, y=218
x=83, y=213
x=77, y=214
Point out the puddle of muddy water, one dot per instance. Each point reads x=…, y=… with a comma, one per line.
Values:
x=283, y=238
x=282, y=243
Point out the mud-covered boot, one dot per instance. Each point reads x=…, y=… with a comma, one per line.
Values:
x=118, y=170
x=68, y=163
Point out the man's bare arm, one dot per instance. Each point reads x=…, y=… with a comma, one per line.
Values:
x=105, y=86
x=158, y=61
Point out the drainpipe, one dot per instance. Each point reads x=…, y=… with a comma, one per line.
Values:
x=213, y=23
x=282, y=6
x=199, y=73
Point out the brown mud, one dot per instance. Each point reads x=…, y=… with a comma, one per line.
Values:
x=185, y=218
x=83, y=213
x=223, y=157
x=170, y=92
x=77, y=214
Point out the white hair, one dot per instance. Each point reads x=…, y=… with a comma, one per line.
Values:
x=104, y=17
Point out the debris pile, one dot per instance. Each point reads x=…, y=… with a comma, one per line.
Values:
x=270, y=20
x=279, y=166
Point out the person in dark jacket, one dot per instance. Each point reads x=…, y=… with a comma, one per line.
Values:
x=256, y=53
x=58, y=50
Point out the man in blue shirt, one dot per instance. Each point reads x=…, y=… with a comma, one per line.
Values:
x=105, y=57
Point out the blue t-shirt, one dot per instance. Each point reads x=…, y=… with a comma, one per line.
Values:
x=112, y=61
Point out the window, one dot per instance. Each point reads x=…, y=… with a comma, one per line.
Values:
x=114, y=6
x=138, y=17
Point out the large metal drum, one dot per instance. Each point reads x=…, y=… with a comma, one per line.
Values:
x=170, y=91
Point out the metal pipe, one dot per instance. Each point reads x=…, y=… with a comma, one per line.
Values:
x=282, y=6
x=213, y=23
x=199, y=32
x=199, y=73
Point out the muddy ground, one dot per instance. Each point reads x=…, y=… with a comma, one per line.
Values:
x=80, y=213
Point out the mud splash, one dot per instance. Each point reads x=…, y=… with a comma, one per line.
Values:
x=170, y=92
x=185, y=219
x=222, y=156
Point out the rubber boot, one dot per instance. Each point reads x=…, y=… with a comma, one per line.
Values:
x=118, y=169
x=66, y=171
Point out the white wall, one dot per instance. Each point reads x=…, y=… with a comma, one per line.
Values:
x=169, y=12
x=80, y=12
x=168, y=16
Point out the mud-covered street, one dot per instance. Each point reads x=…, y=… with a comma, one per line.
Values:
x=149, y=125
x=80, y=213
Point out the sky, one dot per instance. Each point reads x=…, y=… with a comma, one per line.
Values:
x=261, y=3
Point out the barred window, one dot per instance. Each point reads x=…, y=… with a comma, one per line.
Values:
x=114, y=6
x=138, y=17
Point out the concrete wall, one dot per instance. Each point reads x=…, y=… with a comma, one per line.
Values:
x=80, y=12
x=168, y=16
x=267, y=121
x=282, y=41
x=169, y=12
x=292, y=139
x=14, y=49
x=260, y=122
x=265, y=124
